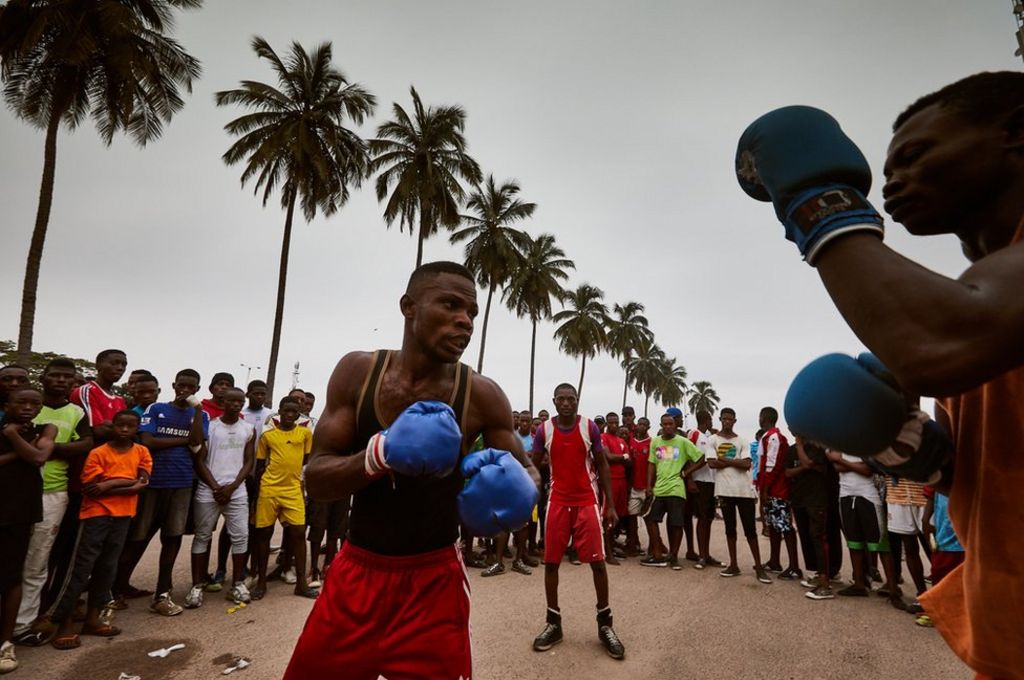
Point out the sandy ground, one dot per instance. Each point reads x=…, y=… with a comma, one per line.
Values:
x=688, y=624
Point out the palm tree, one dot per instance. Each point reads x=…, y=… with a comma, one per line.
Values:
x=628, y=328
x=671, y=387
x=295, y=139
x=534, y=283
x=64, y=61
x=423, y=156
x=646, y=367
x=582, y=333
x=702, y=397
x=495, y=247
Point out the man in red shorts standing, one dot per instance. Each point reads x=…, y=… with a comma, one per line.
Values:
x=572, y=447
x=395, y=602
x=616, y=451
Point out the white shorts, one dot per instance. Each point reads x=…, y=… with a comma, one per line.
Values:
x=236, y=518
x=636, y=501
x=905, y=519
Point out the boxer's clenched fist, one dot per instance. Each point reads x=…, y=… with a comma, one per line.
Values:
x=423, y=440
x=798, y=158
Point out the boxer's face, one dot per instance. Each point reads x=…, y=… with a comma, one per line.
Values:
x=942, y=171
x=442, y=312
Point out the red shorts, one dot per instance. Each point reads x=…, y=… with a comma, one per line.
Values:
x=620, y=496
x=398, y=617
x=944, y=562
x=581, y=523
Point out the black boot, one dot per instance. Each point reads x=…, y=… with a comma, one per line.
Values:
x=606, y=634
x=552, y=633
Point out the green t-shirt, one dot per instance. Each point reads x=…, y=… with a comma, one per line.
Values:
x=65, y=419
x=669, y=457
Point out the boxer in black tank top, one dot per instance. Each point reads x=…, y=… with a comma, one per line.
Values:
x=396, y=600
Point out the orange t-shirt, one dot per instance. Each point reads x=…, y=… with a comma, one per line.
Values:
x=106, y=463
x=979, y=606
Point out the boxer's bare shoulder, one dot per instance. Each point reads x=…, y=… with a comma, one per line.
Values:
x=490, y=414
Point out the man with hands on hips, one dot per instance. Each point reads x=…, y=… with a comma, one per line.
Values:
x=955, y=165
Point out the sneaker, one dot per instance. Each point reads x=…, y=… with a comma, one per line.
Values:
x=925, y=621
x=548, y=638
x=8, y=661
x=775, y=568
x=674, y=563
x=240, y=594
x=215, y=583
x=520, y=567
x=853, y=591
x=119, y=603
x=164, y=606
x=762, y=575
x=790, y=575
x=876, y=576
x=495, y=569
x=729, y=572
x=654, y=562
x=610, y=641
x=692, y=557
x=194, y=599
x=820, y=593
x=915, y=608
x=712, y=562
x=700, y=564
x=811, y=582
x=289, y=577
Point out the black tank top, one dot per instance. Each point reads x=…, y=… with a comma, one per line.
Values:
x=396, y=514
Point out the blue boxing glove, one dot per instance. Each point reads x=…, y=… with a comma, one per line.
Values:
x=798, y=158
x=424, y=440
x=851, y=405
x=499, y=494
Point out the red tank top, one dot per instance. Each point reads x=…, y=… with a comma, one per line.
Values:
x=573, y=474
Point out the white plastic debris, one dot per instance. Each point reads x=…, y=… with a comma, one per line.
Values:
x=161, y=653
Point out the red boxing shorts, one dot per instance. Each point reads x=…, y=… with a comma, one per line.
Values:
x=402, y=618
x=582, y=524
x=620, y=496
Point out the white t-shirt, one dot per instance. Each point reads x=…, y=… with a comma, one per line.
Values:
x=256, y=418
x=225, y=456
x=854, y=484
x=732, y=481
x=703, y=442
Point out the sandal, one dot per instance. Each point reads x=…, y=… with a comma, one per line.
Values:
x=102, y=630
x=66, y=642
x=311, y=593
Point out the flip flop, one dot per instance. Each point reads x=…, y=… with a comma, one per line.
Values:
x=103, y=630
x=311, y=593
x=65, y=642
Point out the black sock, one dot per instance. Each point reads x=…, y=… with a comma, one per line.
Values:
x=554, y=617
x=604, y=617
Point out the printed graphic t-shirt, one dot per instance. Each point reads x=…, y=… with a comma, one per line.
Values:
x=669, y=456
x=172, y=467
x=730, y=481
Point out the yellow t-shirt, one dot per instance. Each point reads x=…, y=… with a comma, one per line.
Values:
x=284, y=451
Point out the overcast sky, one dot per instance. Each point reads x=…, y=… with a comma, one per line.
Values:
x=619, y=119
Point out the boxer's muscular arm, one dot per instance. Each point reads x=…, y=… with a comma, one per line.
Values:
x=938, y=336
x=498, y=430
x=334, y=471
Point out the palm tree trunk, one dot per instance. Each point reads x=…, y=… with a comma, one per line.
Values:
x=35, y=249
x=533, y=356
x=625, y=385
x=483, y=333
x=647, y=402
x=583, y=369
x=282, y=278
x=421, y=237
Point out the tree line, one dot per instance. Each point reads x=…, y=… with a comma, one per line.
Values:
x=117, y=62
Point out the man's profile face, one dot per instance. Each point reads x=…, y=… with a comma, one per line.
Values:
x=942, y=170
x=442, y=310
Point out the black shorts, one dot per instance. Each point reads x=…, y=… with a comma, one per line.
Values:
x=704, y=500
x=670, y=506
x=14, y=540
x=330, y=517
x=748, y=515
x=163, y=510
x=863, y=524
